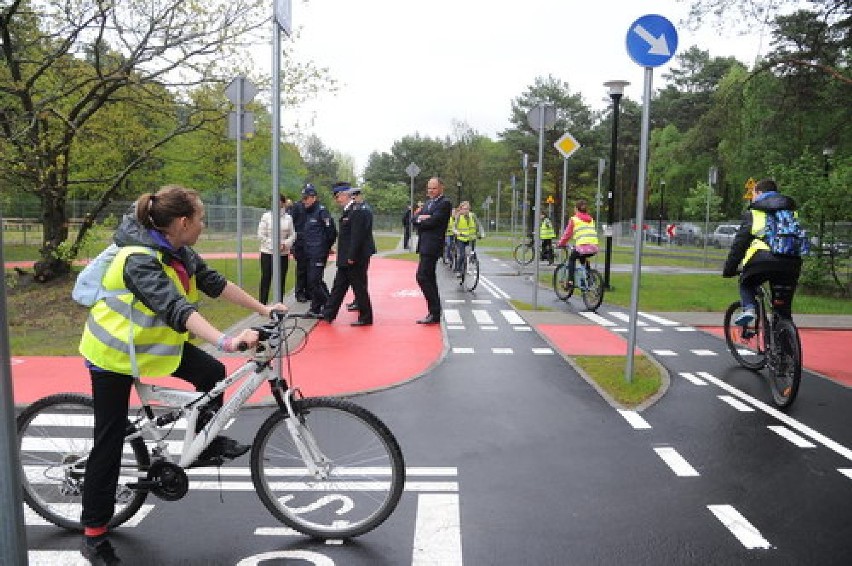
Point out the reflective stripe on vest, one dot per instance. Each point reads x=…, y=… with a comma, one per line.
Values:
x=758, y=230
x=584, y=232
x=545, y=230
x=466, y=226
x=124, y=336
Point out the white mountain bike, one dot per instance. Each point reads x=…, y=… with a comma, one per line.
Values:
x=325, y=467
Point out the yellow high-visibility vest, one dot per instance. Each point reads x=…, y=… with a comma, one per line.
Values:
x=122, y=335
x=467, y=226
x=584, y=232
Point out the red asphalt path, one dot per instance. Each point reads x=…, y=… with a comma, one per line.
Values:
x=338, y=359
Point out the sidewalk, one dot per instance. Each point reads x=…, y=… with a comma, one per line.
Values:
x=342, y=360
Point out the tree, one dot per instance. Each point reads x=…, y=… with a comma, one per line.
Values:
x=73, y=74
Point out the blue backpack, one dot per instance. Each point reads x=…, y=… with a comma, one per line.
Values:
x=88, y=288
x=784, y=235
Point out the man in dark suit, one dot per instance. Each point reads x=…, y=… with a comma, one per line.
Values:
x=355, y=245
x=431, y=224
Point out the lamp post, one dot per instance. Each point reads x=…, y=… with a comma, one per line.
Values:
x=525, y=163
x=458, y=186
x=616, y=91
x=662, y=201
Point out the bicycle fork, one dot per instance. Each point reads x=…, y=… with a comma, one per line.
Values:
x=318, y=464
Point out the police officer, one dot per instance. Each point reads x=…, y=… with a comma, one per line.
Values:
x=313, y=243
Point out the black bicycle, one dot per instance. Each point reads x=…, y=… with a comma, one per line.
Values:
x=771, y=341
x=586, y=278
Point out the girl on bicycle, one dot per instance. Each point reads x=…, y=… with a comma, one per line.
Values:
x=581, y=228
x=144, y=332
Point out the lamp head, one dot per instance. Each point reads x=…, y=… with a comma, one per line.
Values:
x=616, y=88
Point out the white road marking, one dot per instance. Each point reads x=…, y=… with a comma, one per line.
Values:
x=452, y=316
x=488, y=328
x=676, y=462
x=481, y=301
x=455, y=327
x=744, y=352
x=626, y=318
x=789, y=421
x=523, y=328
x=739, y=526
x=502, y=351
x=653, y=329
x=455, y=301
x=54, y=557
x=597, y=319
x=621, y=329
x=846, y=472
x=482, y=317
x=704, y=352
x=635, y=420
x=685, y=329
x=437, y=531
x=664, y=352
x=512, y=317
x=410, y=486
x=31, y=519
x=736, y=404
x=791, y=436
x=463, y=350
x=691, y=378
x=658, y=319
x=542, y=351
x=492, y=288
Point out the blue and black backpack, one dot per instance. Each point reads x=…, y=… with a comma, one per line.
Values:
x=784, y=235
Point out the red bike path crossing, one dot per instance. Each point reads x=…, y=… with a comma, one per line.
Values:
x=339, y=359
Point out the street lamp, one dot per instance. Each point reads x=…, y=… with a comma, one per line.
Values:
x=662, y=200
x=616, y=90
x=458, y=186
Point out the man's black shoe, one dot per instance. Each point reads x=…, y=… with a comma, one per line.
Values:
x=429, y=319
x=312, y=314
x=362, y=323
x=223, y=447
x=352, y=307
x=302, y=299
x=101, y=553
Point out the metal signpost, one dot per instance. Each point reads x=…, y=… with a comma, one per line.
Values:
x=497, y=207
x=240, y=92
x=13, y=535
x=601, y=169
x=651, y=42
x=540, y=118
x=413, y=170
x=566, y=145
x=282, y=16
x=712, y=175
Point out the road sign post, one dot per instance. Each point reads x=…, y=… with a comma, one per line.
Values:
x=412, y=170
x=540, y=118
x=651, y=42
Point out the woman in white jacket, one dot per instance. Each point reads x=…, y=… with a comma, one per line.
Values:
x=264, y=233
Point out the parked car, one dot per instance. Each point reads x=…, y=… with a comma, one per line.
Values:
x=688, y=234
x=653, y=237
x=723, y=235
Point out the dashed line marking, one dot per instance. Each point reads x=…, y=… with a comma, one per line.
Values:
x=692, y=378
x=791, y=436
x=736, y=404
x=846, y=472
x=668, y=353
x=623, y=316
x=635, y=419
x=455, y=327
x=463, y=350
x=685, y=329
x=482, y=317
x=652, y=329
x=704, y=352
x=658, y=319
x=502, y=351
x=739, y=526
x=488, y=328
x=512, y=317
x=542, y=351
x=452, y=316
x=597, y=319
x=676, y=462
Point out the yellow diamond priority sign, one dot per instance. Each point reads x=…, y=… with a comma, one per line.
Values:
x=566, y=145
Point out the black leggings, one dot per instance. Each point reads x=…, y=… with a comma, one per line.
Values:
x=266, y=276
x=111, y=392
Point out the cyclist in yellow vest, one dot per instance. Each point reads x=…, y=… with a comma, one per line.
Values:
x=466, y=229
x=546, y=234
x=759, y=264
x=142, y=330
x=581, y=229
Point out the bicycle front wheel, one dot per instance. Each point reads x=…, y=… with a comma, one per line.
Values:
x=470, y=277
x=359, y=470
x=55, y=436
x=524, y=254
x=786, y=366
x=747, y=344
x=593, y=291
x=561, y=282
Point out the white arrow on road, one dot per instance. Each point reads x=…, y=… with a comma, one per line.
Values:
x=659, y=45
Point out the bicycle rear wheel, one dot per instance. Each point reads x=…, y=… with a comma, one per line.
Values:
x=561, y=282
x=470, y=276
x=524, y=254
x=357, y=486
x=785, y=367
x=593, y=291
x=747, y=344
x=55, y=435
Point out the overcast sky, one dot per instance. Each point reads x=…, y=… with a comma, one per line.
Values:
x=408, y=66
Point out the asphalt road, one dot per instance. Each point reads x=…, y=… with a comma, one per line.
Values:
x=515, y=459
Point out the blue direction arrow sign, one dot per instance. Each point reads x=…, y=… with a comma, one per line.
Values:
x=651, y=40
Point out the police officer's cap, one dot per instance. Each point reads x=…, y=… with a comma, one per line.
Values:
x=309, y=191
x=341, y=187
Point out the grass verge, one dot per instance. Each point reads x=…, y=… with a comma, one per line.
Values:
x=608, y=373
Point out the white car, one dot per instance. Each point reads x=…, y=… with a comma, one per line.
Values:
x=723, y=235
